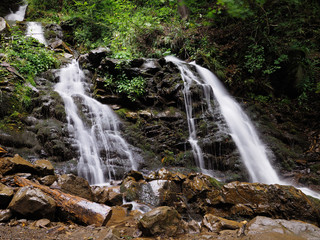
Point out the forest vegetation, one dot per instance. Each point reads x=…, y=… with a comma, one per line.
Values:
x=265, y=51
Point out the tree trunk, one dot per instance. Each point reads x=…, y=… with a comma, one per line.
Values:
x=82, y=209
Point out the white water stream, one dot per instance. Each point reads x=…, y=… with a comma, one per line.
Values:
x=252, y=150
x=95, y=128
x=18, y=15
x=35, y=30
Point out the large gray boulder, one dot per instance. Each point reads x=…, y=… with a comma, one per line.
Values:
x=33, y=203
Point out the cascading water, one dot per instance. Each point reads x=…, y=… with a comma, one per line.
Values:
x=252, y=150
x=95, y=128
x=188, y=78
x=18, y=15
x=35, y=30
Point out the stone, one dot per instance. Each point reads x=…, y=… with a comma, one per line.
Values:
x=273, y=200
x=160, y=221
x=42, y=223
x=5, y=215
x=216, y=224
x=16, y=164
x=263, y=227
x=135, y=174
x=33, y=203
x=95, y=56
x=6, y=194
x=44, y=167
x=48, y=180
x=75, y=185
x=192, y=227
x=3, y=24
x=195, y=185
x=110, y=196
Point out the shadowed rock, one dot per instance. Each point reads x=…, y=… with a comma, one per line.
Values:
x=32, y=202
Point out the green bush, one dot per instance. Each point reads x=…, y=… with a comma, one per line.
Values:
x=132, y=88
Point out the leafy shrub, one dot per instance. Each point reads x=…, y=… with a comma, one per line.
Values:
x=132, y=88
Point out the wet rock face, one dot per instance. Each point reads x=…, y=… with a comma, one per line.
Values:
x=43, y=132
x=156, y=122
x=32, y=202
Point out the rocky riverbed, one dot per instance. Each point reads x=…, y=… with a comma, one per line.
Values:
x=161, y=205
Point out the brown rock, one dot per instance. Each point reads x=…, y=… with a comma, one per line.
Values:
x=251, y=199
x=42, y=223
x=6, y=194
x=16, y=164
x=32, y=202
x=48, y=180
x=75, y=185
x=195, y=185
x=110, y=196
x=160, y=221
x=216, y=224
x=44, y=167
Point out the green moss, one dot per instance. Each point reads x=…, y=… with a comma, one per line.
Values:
x=122, y=112
x=215, y=183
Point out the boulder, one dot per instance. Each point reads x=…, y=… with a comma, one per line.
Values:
x=95, y=56
x=110, y=196
x=3, y=24
x=196, y=185
x=16, y=164
x=266, y=228
x=6, y=194
x=160, y=221
x=75, y=185
x=44, y=167
x=5, y=215
x=155, y=192
x=33, y=203
x=252, y=199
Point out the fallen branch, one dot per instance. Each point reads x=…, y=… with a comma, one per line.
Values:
x=84, y=210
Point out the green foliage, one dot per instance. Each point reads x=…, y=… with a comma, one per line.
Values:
x=27, y=58
x=132, y=88
x=27, y=55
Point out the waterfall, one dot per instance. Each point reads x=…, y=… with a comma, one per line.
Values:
x=18, y=15
x=35, y=30
x=188, y=77
x=252, y=150
x=94, y=128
